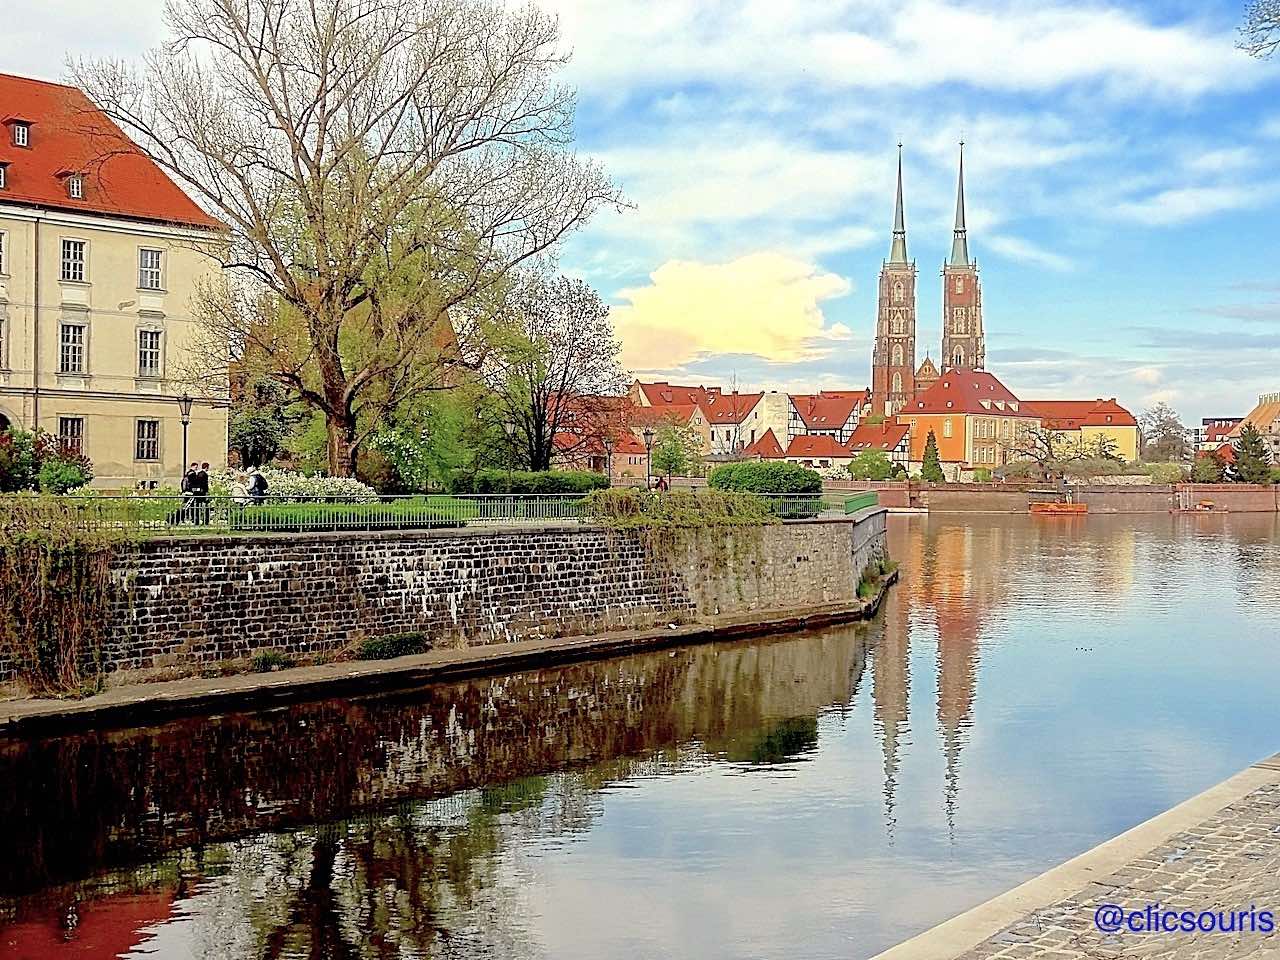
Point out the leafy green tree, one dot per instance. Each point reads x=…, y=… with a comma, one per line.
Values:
x=1252, y=465
x=676, y=450
x=931, y=469
x=771, y=476
x=441, y=434
x=871, y=465
x=1163, y=435
x=260, y=422
x=1209, y=468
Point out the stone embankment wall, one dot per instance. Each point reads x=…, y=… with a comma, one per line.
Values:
x=198, y=601
x=1103, y=497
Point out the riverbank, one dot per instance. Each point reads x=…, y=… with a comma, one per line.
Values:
x=1218, y=851
x=144, y=703
x=1016, y=496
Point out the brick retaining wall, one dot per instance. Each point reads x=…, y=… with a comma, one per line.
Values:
x=196, y=601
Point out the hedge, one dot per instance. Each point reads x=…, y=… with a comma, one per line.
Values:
x=766, y=477
x=527, y=482
x=625, y=507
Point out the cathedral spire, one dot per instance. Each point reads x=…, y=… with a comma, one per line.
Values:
x=898, y=251
x=960, y=242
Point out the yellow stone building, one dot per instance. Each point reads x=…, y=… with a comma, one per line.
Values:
x=1083, y=422
x=100, y=255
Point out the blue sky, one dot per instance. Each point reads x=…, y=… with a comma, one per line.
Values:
x=1121, y=162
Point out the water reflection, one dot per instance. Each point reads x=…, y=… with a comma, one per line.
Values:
x=1036, y=686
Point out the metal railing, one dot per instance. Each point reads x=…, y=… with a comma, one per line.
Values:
x=861, y=501
x=151, y=514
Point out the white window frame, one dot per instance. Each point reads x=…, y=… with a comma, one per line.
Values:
x=138, y=439
x=157, y=371
x=21, y=134
x=4, y=252
x=82, y=345
x=64, y=261
x=75, y=186
x=148, y=272
x=4, y=337
x=78, y=446
x=4, y=175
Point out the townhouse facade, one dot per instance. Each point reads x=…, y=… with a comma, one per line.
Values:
x=100, y=258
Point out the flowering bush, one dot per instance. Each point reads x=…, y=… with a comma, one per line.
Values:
x=35, y=460
x=286, y=483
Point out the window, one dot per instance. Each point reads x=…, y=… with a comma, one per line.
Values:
x=897, y=383
x=959, y=284
x=71, y=433
x=2, y=240
x=147, y=440
x=897, y=292
x=75, y=187
x=3, y=173
x=957, y=358
x=71, y=348
x=946, y=427
x=73, y=256
x=897, y=354
x=149, y=274
x=148, y=354
x=2, y=335
x=22, y=134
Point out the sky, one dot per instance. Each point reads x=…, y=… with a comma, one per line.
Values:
x=1122, y=168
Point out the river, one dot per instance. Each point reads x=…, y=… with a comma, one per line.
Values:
x=1030, y=688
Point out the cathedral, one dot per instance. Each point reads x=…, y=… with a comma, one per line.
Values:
x=895, y=378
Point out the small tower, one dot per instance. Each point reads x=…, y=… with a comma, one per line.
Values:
x=926, y=376
x=963, y=340
x=893, y=360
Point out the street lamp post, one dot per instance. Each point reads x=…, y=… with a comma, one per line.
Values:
x=509, y=427
x=608, y=459
x=648, y=456
x=184, y=408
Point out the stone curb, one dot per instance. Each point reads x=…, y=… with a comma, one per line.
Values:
x=960, y=934
x=146, y=703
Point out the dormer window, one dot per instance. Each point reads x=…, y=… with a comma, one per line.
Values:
x=21, y=133
x=4, y=176
x=75, y=186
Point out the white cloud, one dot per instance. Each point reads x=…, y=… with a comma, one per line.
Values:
x=766, y=304
x=1180, y=204
x=1016, y=248
x=1148, y=376
x=1000, y=45
x=1223, y=160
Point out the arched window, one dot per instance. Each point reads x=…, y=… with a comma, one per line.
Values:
x=897, y=291
x=897, y=383
x=897, y=354
x=957, y=357
x=946, y=427
x=959, y=284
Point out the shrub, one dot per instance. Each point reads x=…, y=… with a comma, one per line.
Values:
x=1166, y=472
x=776, y=476
x=871, y=465
x=264, y=661
x=64, y=471
x=677, y=508
x=287, y=483
x=391, y=646
x=981, y=475
x=527, y=481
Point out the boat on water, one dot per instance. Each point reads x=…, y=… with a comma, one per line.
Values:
x=1057, y=509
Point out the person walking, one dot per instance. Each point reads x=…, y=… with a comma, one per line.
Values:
x=200, y=486
x=257, y=486
x=186, y=510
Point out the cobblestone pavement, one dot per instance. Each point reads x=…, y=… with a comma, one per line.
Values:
x=1229, y=862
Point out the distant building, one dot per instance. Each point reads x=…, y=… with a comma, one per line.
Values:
x=1213, y=432
x=975, y=419
x=734, y=420
x=893, y=359
x=1265, y=417
x=766, y=447
x=827, y=413
x=1084, y=422
x=821, y=452
x=889, y=437
x=100, y=257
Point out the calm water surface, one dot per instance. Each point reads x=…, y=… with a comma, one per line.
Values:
x=1031, y=688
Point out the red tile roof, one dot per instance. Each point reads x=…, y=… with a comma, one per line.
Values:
x=1073, y=414
x=766, y=448
x=877, y=436
x=670, y=413
x=963, y=391
x=1218, y=432
x=69, y=134
x=828, y=409
x=719, y=407
x=807, y=445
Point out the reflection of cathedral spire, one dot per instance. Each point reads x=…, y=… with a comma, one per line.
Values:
x=891, y=690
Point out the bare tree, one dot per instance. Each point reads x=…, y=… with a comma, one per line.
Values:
x=380, y=166
x=1163, y=435
x=553, y=362
x=1260, y=34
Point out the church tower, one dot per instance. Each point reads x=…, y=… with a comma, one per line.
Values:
x=893, y=361
x=963, y=343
